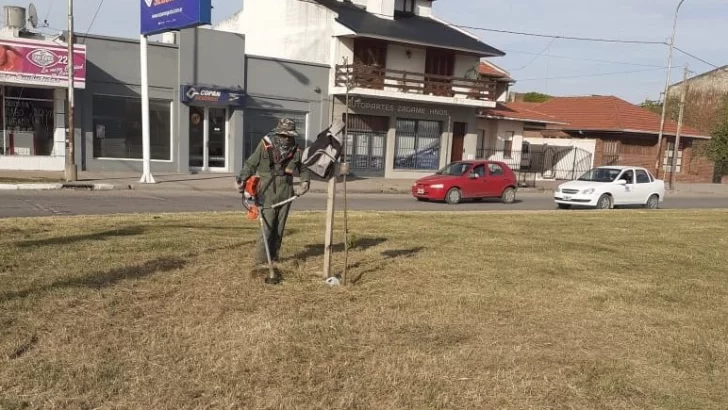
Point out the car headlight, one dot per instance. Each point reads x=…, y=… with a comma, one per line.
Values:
x=437, y=186
x=588, y=191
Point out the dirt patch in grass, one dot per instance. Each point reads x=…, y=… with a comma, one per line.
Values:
x=624, y=309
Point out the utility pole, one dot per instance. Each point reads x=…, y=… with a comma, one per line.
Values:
x=676, y=148
x=71, y=173
x=667, y=86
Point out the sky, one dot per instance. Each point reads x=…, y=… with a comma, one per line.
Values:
x=634, y=72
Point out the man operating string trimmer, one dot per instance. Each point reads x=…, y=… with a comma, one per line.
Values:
x=274, y=160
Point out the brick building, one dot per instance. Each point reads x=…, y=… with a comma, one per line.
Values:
x=624, y=134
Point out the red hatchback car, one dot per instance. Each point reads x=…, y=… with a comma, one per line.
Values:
x=468, y=180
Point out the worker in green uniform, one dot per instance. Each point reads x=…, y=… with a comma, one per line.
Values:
x=275, y=159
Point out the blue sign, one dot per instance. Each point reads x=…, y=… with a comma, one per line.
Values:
x=201, y=95
x=159, y=16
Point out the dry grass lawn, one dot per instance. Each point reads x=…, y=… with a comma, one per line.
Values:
x=562, y=310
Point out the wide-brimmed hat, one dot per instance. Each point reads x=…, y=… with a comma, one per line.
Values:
x=286, y=126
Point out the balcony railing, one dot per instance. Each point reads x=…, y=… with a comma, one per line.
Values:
x=376, y=78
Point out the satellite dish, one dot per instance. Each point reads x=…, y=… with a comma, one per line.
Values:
x=33, y=15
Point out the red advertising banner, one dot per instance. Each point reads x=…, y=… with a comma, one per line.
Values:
x=43, y=63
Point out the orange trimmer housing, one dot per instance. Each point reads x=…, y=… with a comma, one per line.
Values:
x=251, y=194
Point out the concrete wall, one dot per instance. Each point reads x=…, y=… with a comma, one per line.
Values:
x=211, y=58
x=715, y=81
x=114, y=69
x=281, y=85
x=284, y=29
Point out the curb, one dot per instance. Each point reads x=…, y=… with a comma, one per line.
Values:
x=55, y=187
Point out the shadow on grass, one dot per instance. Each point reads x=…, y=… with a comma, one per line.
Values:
x=312, y=251
x=67, y=240
x=388, y=255
x=100, y=280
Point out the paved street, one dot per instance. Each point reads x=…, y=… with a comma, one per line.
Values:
x=48, y=203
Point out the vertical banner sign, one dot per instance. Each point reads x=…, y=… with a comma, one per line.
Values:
x=159, y=16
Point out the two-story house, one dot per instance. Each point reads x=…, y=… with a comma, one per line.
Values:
x=411, y=80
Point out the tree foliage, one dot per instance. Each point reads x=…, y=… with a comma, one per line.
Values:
x=717, y=148
x=535, y=97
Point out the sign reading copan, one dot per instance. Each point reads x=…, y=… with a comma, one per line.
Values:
x=159, y=16
x=43, y=63
x=212, y=96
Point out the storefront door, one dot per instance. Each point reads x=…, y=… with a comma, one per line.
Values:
x=208, y=139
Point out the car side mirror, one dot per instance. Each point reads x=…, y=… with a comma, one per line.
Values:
x=622, y=182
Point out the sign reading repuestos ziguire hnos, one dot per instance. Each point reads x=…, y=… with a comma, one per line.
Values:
x=43, y=63
x=159, y=16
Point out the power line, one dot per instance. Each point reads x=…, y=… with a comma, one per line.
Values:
x=560, y=37
x=585, y=59
x=594, y=75
x=695, y=57
x=93, y=19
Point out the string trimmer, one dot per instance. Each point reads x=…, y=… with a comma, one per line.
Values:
x=253, y=204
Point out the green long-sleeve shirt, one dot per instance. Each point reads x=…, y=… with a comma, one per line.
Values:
x=281, y=188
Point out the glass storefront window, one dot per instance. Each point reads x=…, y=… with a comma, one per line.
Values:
x=418, y=144
x=258, y=123
x=118, y=128
x=27, y=121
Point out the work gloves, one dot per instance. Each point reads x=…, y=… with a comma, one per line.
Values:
x=240, y=184
x=303, y=188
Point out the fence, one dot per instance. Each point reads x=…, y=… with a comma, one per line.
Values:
x=541, y=162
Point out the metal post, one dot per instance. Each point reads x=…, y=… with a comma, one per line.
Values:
x=345, y=169
x=679, y=128
x=147, y=177
x=667, y=86
x=71, y=173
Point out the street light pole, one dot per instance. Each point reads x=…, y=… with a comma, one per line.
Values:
x=667, y=86
x=71, y=170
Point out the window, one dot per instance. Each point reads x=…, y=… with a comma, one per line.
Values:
x=27, y=122
x=479, y=171
x=669, y=153
x=258, y=123
x=508, y=145
x=628, y=176
x=365, y=142
x=495, y=170
x=417, y=144
x=643, y=177
x=440, y=65
x=404, y=6
x=482, y=144
x=117, y=125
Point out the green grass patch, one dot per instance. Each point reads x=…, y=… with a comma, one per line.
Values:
x=618, y=309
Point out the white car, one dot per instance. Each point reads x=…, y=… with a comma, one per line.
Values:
x=609, y=186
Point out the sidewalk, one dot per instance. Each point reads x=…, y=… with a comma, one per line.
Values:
x=21, y=180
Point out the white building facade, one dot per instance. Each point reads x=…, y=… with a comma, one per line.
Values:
x=412, y=80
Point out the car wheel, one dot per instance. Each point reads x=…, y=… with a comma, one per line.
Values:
x=604, y=202
x=453, y=196
x=509, y=195
x=653, y=202
x=564, y=206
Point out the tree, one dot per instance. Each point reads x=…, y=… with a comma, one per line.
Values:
x=651, y=105
x=535, y=97
x=717, y=148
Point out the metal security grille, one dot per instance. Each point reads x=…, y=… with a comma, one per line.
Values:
x=258, y=123
x=365, y=143
x=418, y=144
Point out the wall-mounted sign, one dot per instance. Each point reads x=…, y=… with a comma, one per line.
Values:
x=43, y=63
x=212, y=96
x=159, y=16
x=396, y=108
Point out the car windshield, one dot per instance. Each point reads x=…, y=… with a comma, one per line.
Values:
x=600, y=175
x=456, y=168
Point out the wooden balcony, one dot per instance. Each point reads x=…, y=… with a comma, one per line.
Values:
x=376, y=78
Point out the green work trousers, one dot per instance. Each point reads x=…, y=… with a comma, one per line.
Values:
x=274, y=223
